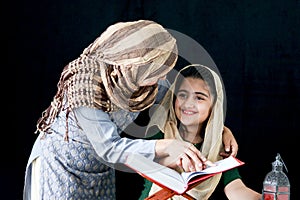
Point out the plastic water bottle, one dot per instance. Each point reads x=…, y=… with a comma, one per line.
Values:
x=276, y=185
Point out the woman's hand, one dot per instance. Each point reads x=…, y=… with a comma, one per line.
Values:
x=184, y=164
x=175, y=153
x=230, y=144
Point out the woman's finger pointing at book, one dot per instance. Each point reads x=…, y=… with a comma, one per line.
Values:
x=208, y=163
x=186, y=164
x=192, y=157
x=195, y=155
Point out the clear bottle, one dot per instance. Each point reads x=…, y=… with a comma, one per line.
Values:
x=276, y=185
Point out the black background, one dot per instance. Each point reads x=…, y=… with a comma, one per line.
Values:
x=255, y=45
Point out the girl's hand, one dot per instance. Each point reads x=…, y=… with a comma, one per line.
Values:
x=230, y=144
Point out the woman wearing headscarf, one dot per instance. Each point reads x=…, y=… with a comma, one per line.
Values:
x=98, y=95
x=193, y=111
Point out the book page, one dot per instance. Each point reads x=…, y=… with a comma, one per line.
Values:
x=157, y=173
x=221, y=166
x=169, y=178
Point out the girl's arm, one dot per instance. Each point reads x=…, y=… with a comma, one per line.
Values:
x=237, y=190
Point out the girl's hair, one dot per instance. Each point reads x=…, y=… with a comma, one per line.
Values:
x=198, y=72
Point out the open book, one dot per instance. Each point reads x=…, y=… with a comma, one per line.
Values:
x=173, y=180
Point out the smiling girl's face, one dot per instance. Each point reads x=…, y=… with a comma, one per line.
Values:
x=193, y=102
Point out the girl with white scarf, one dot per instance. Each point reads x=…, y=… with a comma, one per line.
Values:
x=193, y=111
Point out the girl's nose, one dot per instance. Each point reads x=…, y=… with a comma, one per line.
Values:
x=189, y=103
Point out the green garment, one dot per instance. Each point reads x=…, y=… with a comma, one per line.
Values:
x=226, y=178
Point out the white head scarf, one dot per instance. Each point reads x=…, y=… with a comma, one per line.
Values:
x=164, y=118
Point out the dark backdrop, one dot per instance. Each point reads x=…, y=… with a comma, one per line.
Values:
x=255, y=45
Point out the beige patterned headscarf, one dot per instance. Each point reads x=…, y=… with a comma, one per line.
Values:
x=108, y=73
x=164, y=118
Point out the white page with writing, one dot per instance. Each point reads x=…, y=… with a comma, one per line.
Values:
x=159, y=173
x=221, y=165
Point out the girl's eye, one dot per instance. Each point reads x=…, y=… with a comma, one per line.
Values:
x=199, y=98
x=182, y=95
